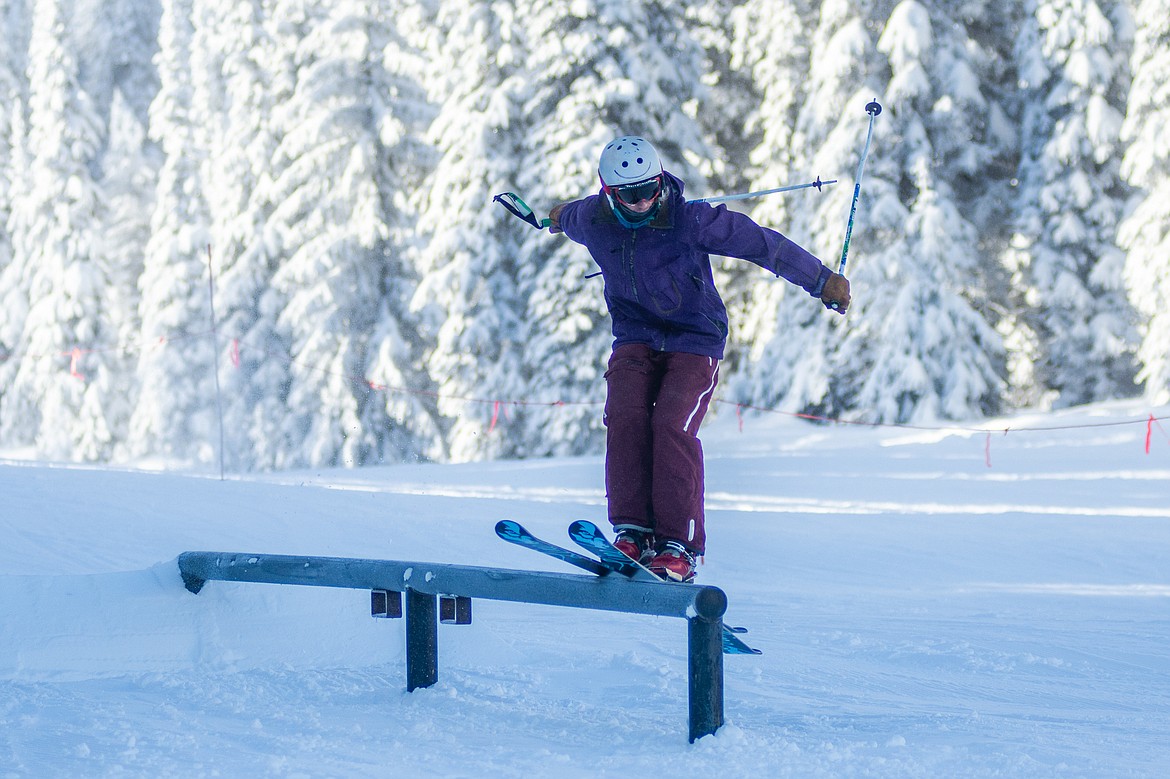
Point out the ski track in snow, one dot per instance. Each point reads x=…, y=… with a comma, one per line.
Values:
x=921, y=614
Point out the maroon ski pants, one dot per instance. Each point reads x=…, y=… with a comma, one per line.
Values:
x=653, y=459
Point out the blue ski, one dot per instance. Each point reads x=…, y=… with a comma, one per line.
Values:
x=515, y=533
x=590, y=537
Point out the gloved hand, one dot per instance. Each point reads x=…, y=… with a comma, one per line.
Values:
x=554, y=218
x=836, y=291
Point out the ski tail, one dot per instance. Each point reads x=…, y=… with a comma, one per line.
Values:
x=515, y=533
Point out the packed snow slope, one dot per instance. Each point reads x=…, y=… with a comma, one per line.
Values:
x=929, y=604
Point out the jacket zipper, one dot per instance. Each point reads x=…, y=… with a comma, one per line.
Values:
x=630, y=265
x=661, y=345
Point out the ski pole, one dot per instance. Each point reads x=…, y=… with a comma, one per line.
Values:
x=721, y=198
x=521, y=210
x=873, y=108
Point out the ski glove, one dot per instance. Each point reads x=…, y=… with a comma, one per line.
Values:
x=836, y=291
x=554, y=218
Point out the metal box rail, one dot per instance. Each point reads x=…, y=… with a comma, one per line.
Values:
x=435, y=591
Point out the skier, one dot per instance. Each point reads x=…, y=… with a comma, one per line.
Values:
x=670, y=328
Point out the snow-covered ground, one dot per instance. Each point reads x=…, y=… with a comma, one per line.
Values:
x=929, y=604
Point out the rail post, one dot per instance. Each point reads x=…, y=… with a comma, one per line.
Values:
x=422, y=640
x=705, y=672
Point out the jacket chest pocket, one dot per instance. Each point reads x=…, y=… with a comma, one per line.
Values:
x=669, y=285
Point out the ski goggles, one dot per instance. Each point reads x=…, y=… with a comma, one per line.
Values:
x=631, y=194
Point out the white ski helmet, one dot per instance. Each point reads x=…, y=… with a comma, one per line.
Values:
x=628, y=160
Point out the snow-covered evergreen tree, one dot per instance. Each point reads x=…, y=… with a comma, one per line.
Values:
x=13, y=45
x=1075, y=327
x=791, y=336
x=13, y=298
x=730, y=34
x=405, y=391
x=770, y=43
x=241, y=81
x=339, y=159
x=600, y=70
x=331, y=225
x=68, y=350
x=12, y=82
x=916, y=344
x=116, y=41
x=108, y=47
x=931, y=350
x=1146, y=231
x=468, y=300
x=129, y=173
x=176, y=413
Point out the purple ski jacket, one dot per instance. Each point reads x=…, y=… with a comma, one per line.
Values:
x=658, y=283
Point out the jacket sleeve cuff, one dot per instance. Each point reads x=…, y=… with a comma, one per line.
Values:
x=818, y=286
x=567, y=220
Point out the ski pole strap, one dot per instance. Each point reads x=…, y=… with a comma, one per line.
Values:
x=520, y=209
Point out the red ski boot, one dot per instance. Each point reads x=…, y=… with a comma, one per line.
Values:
x=635, y=543
x=673, y=562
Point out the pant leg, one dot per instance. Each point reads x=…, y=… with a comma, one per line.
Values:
x=688, y=383
x=632, y=384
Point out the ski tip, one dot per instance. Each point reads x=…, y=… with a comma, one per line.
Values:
x=509, y=529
